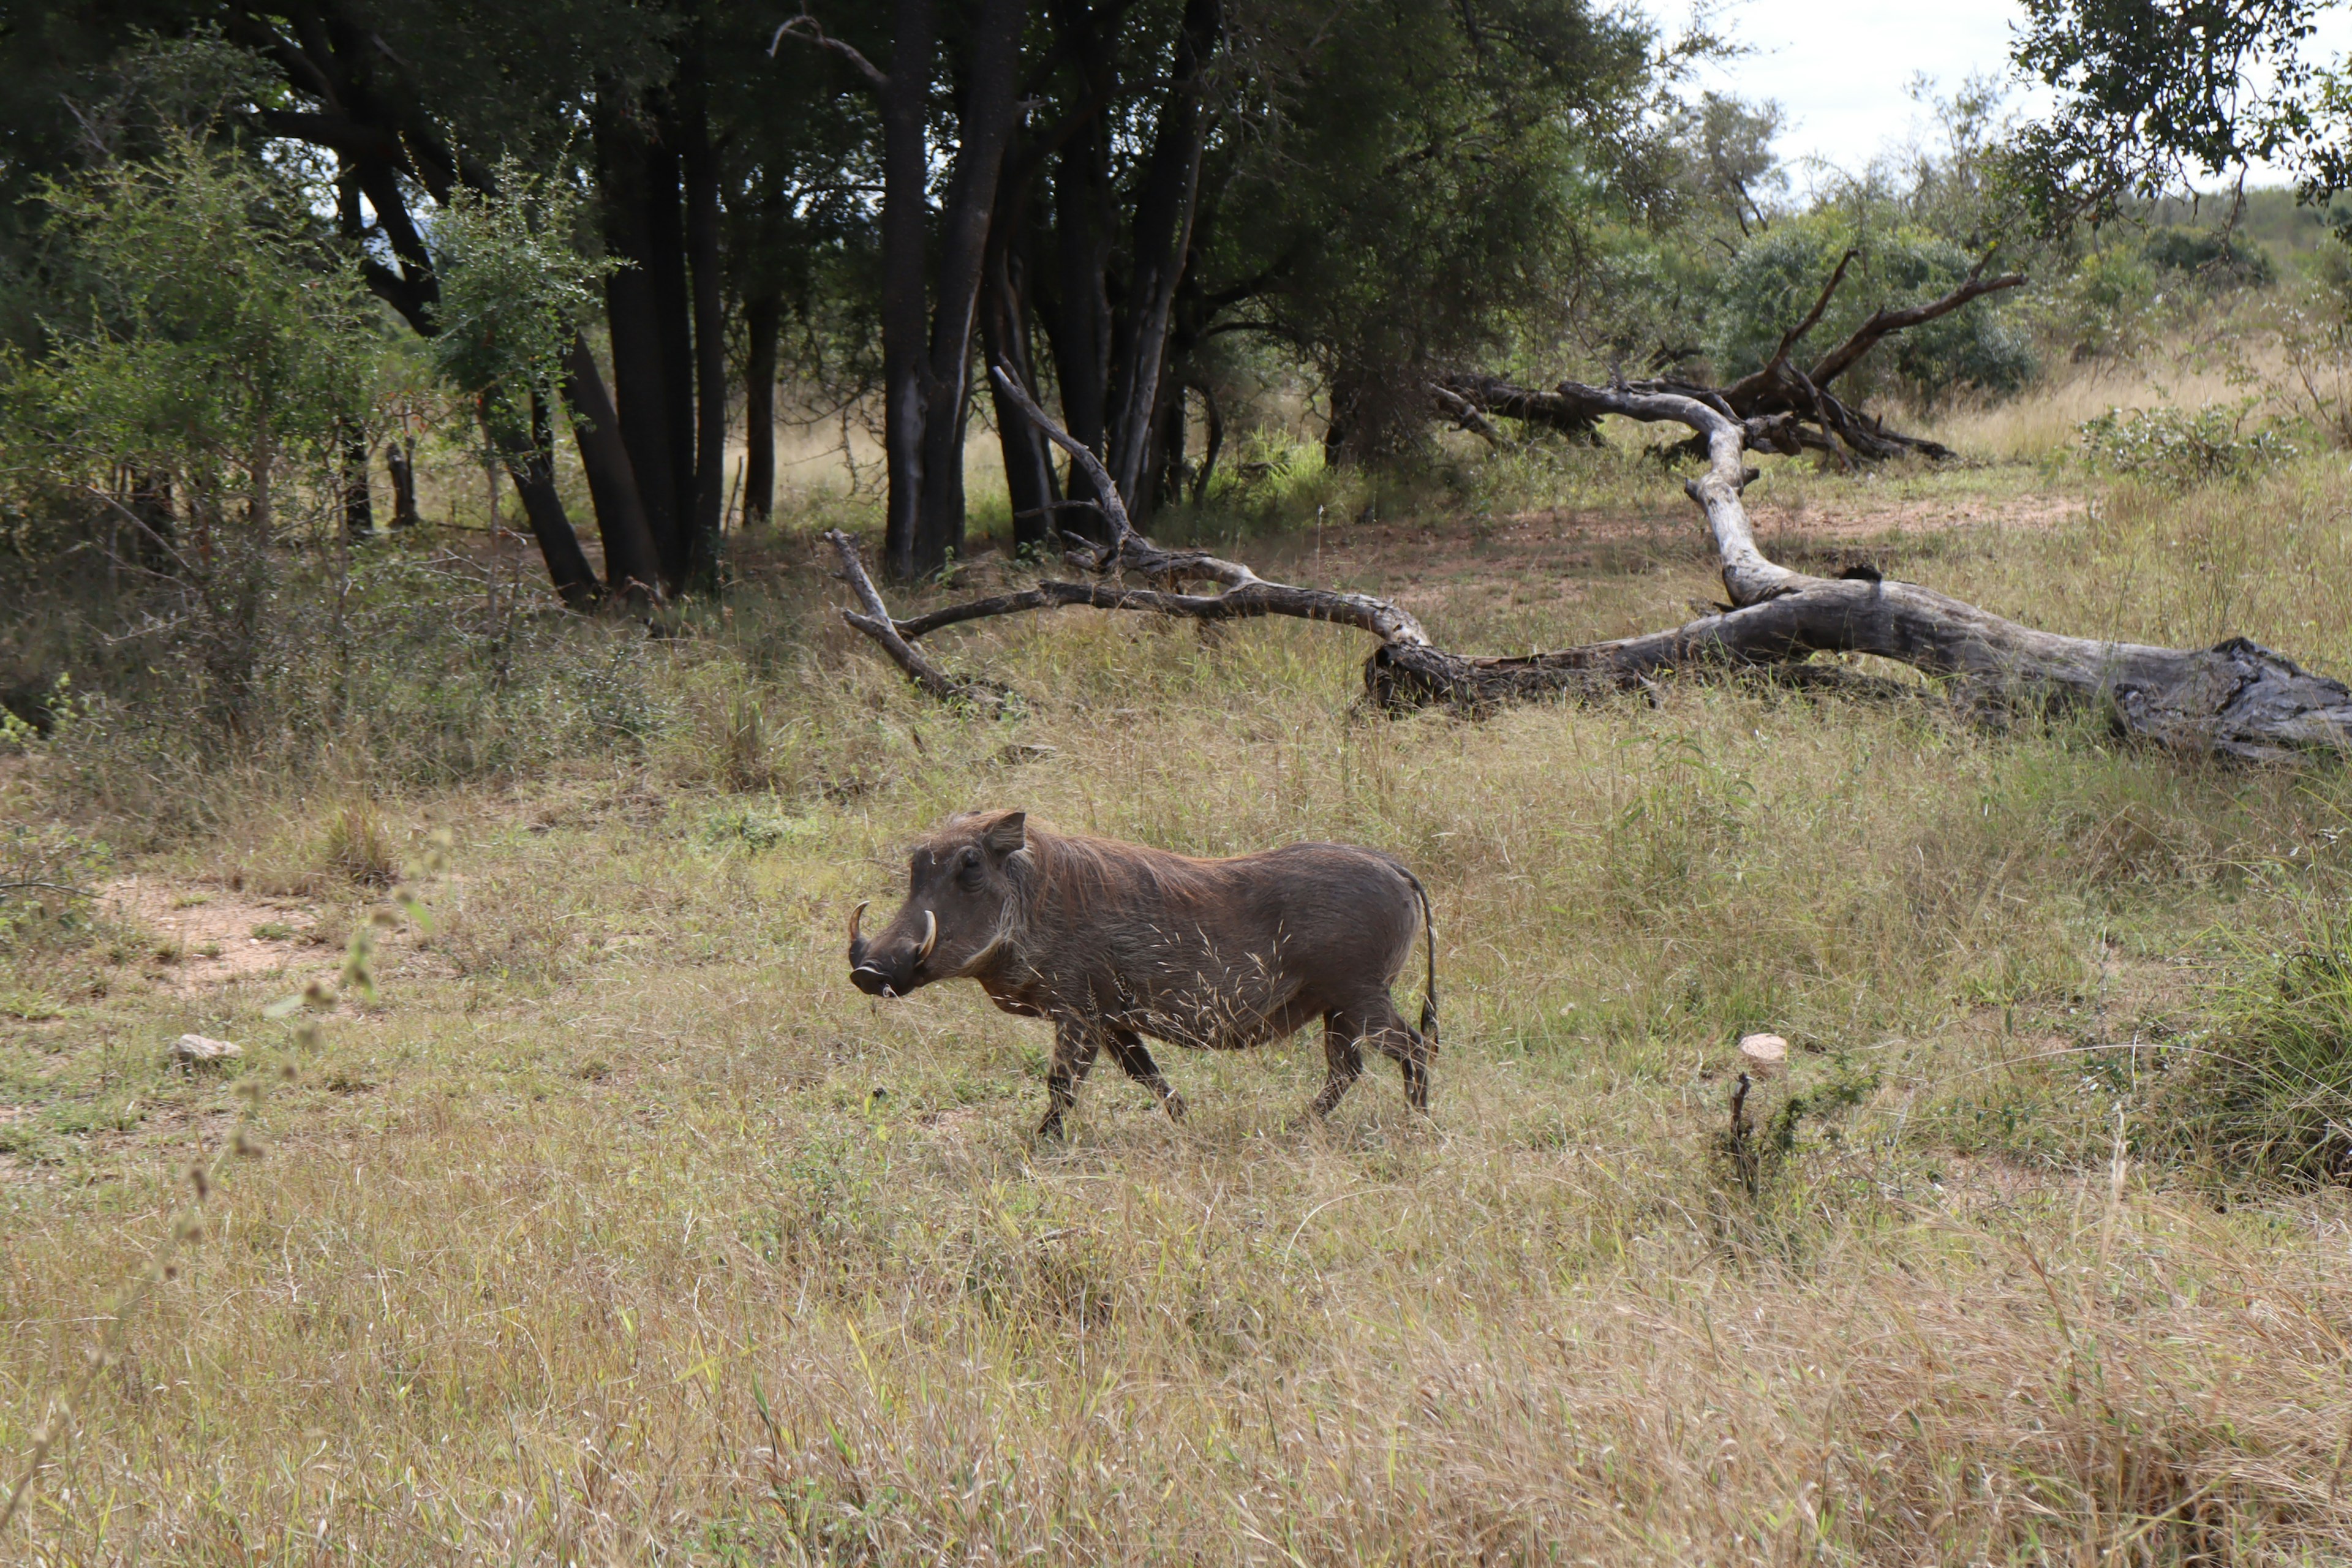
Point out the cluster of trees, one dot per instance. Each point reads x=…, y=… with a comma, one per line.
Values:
x=673, y=203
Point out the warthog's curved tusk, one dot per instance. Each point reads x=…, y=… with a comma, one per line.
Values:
x=930, y=935
x=855, y=916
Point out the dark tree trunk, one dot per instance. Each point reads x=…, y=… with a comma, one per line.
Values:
x=1212, y=440
x=640, y=377
x=762, y=320
x=1076, y=310
x=666, y=269
x=906, y=203
x=371, y=117
x=358, y=509
x=699, y=166
x=1005, y=334
x=530, y=459
x=400, y=461
x=632, y=566
x=1161, y=238
x=986, y=125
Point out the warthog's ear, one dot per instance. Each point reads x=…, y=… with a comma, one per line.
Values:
x=1007, y=834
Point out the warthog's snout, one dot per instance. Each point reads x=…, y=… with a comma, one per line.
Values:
x=877, y=970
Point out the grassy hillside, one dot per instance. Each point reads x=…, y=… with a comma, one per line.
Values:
x=618, y=1227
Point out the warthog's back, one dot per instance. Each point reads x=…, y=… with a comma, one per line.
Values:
x=1210, y=952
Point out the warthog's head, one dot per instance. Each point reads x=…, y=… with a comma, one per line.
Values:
x=961, y=900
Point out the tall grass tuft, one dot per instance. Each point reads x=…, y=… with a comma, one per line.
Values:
x=2267, y=1096
x=359, y=844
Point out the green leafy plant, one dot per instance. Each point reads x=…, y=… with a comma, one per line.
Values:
x=2179, y=447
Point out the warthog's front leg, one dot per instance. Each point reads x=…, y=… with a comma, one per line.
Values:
x=1128, y=1049
x=1075, y=1047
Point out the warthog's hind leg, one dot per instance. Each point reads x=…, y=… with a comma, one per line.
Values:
x=1128, y=1049
x=1386, y=1032
x=1342, y=1058
x=1074, y=1045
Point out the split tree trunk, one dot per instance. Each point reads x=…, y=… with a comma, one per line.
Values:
x=762, y=320
x=2235, y=700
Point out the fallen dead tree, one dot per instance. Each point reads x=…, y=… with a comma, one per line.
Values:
x=1802, y=412
x=2235, y=700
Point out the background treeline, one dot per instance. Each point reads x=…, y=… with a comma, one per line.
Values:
x=269, y=275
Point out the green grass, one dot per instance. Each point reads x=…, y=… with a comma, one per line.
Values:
x=621, y=1229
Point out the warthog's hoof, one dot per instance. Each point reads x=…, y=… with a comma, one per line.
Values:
x=1175, y=1106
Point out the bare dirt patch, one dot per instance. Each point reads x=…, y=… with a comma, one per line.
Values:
x=209, y=936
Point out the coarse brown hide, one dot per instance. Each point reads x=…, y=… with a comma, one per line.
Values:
x=1112, y=942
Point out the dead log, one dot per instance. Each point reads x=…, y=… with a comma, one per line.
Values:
x=2235, y=700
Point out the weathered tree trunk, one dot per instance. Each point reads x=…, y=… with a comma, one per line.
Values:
x=985, y=129
x=641, y=387
x=698, y=164
x=359, y=508
x=400, y=461
x=762, y=320
x=906, y=237
x=2234, y=699
x=632, y=566
x=530, y=459
x=1161, y=238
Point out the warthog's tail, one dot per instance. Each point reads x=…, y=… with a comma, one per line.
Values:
x=1429, y=946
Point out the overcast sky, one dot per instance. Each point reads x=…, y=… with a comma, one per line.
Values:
x=1839, y=67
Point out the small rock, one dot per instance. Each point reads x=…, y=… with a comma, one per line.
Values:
x=196, y=1049
x=1763, y=1053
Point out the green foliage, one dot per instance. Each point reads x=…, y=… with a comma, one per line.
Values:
x=2108, y=306
x=1775, y=279
x=2177, y=447
x=2217, y=260
x=1415, y=189
x=514, y=289
x=222, y=342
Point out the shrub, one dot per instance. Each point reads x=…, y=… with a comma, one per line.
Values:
x=2173, y=445
x=1775, y=279
x=2222, y=260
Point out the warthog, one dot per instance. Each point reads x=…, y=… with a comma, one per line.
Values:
x=1114, y=941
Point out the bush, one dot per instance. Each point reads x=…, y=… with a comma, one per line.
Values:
x=2175, y=446
x=1777, y=277
x=2267, y=1094
x=2221, y=260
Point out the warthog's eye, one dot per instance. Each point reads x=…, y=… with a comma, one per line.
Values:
x=968, y=868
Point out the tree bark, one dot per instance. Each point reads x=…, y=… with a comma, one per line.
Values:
x=762, y=320
x=1162, y=236
x=985, y=129
x=400, y=460
x=1076, y=306
x=632, y=566
x=641, y=380
x=530, y=461
x=699, y=168
x=359, y=509
x=1004, y=339
x=906, y=203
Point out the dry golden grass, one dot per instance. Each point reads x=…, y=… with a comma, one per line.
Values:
x=621, y=1229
